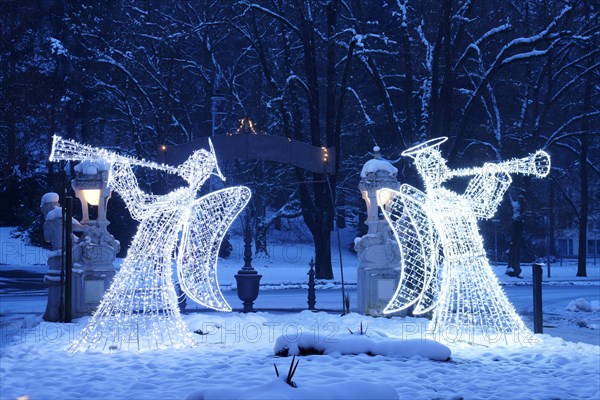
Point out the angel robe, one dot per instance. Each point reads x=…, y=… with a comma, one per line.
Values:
x=140, y=309
x=458, y=284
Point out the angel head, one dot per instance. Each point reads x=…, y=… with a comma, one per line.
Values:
x=429, y=161
x=199, y=166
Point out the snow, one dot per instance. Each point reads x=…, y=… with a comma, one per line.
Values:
x=50, y=197
x=15, y=254
x=235, y=360
x=583, y=305
x=279, y=389
x=356, y=343
x=55, y=213
x=52, y=278
x=375, y=165
x=522, y=56
x=88, y=167
x=234, y=356
x=57, y=47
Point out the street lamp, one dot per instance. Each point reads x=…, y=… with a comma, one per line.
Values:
x=91, y=189
x=247, y=278
x=93, y=274
x=379, y=259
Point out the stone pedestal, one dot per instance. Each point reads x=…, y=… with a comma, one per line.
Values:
x=378, y=272
x=93, y=274
x=88, y=290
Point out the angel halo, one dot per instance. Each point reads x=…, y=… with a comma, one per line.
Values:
x=140, y=309
x=444, y=266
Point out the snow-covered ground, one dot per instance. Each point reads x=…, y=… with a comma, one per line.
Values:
x=235, y=355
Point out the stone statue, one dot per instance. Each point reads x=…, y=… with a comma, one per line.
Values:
x=53, y=234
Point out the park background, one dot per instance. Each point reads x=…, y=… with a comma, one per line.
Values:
x=500, y=79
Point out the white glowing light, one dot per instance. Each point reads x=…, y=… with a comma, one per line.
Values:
x=444, y=266
x=92, y=196
x=203, y=232
x=140, y=309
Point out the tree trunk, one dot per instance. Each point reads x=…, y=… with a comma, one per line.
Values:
x=516, y=239
x=581, y=257
x=261, y=227
x=442, y=113
x=323, y=267
x=260, y=240
x=583, y=173
x=341, y=214
x=552, y=225
x=583, y=215
x=446, y=91
x=409, y=122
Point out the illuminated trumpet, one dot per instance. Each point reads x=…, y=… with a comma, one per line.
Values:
x=537, y=164
x=70, y=150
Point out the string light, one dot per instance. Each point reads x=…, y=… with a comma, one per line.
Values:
x=140, y=310
x=444, y=264
x=246, y=126
x=325, y=153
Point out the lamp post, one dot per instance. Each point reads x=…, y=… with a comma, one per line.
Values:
x=247, y=278
x=93, y=274
x=379, y=256
x=91, y=189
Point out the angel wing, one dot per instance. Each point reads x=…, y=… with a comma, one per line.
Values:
x=419, y=249
x=211, y=216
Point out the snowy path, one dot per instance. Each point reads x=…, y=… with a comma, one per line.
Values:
x=558, y=322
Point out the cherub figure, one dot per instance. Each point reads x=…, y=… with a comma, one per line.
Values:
x=444, y=264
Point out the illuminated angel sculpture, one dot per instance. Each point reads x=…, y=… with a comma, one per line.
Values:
x=444, y=264
x=140, y=311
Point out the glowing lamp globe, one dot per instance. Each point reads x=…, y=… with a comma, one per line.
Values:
x=92, y=196
x=90, y=186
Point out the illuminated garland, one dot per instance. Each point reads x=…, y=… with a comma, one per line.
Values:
x=140, y=309
x=444, y=265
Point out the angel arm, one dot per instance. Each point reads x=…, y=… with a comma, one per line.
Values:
x=486, y=189
x=122, y=180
